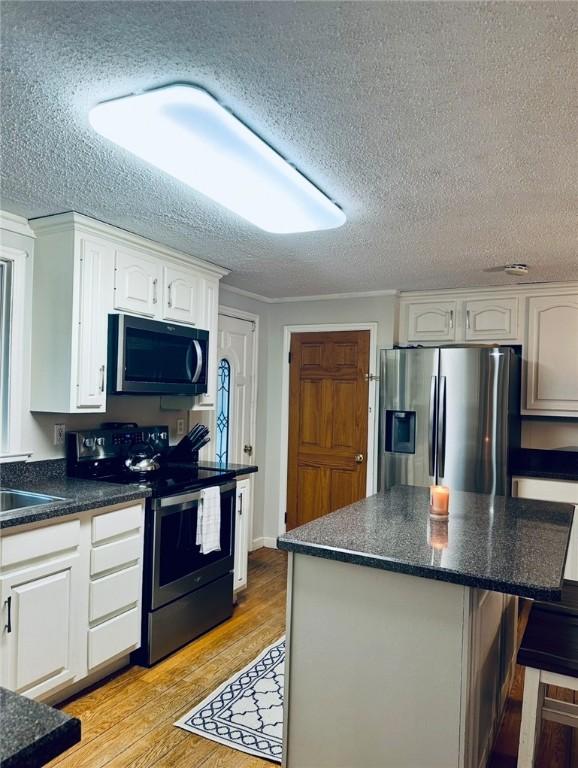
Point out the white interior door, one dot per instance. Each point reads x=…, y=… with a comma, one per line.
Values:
x=233, y=433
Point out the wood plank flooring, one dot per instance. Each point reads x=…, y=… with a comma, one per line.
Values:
x=128, y=719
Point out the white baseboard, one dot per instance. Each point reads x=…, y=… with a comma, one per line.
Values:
x=264, y=541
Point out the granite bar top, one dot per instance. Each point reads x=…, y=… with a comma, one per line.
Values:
x=238, y=469
x=75, y=495
x=516, y=546
x=548, y=464
x=31, y=733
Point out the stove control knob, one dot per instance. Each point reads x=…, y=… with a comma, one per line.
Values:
x=88, y=442
x=100, y=441
x=164, y=435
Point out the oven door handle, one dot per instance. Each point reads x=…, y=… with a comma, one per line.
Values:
x=178, y=501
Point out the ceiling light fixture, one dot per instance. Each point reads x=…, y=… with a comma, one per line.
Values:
x=185, y=132
x=516, y=270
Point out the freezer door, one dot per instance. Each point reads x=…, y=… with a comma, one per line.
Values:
x=407, y=433
x=474, y=409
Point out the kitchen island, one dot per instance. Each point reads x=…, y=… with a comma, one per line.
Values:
x=401, y=628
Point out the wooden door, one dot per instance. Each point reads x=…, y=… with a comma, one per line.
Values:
x=328, y=399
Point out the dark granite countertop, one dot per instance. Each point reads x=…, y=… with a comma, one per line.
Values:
x=74, y=496
x=31, y=733
x=238, y=469
x=516, y=546
x=561, y=464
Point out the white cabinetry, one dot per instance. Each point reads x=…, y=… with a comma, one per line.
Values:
x=463, y=319
x=491, y=319
x=181, y=294
x=242, y=526
x=136, y=282
x=554, y=490
x=83, y=271
x=71, y=601
x=38, y=638
x=552, y=355
x=72, y=296
x=431, y=321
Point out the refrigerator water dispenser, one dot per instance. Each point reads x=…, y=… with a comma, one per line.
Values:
x=400, y=431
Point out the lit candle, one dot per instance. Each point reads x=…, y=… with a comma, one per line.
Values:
x=439, y=500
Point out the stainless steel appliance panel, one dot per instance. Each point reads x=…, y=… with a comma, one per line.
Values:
x=474, y=418
x=408, y=413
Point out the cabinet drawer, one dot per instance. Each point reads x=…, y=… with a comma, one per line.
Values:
x=115, y=592
x=39, y=542
x=111, y=524
x=108, y=557
x=121, y=634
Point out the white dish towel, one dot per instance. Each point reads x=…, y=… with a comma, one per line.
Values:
x=209, y=520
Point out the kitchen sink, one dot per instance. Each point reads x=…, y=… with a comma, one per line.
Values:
x=10, y=500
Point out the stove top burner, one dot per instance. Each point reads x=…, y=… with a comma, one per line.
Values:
x=169, y=478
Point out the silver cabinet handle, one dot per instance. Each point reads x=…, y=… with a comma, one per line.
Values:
x=155, y=284
x=170, y=299
x=451, y=318
x=240, y=504
x=8, y=603
x=102, y=369
x=468, y=319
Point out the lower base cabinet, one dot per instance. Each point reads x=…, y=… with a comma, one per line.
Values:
x=70, y=604
x=242, y=532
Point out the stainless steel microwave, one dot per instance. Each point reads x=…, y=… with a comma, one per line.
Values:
x=147, y=357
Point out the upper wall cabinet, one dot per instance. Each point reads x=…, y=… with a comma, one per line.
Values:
x=182, y=296
x=136, y=282
x=552, y=355
x=463, y=320
x=433, y=321
x=490, y=319
x=72, y=296
x=83, y=271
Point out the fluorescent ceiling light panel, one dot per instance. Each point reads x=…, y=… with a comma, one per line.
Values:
x=185, y=132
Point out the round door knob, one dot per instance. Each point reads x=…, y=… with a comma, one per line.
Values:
x=359, y=458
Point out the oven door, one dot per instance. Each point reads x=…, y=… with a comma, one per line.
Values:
x=149, y=357
x=178, y=566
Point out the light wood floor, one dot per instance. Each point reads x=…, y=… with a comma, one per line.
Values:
x=128, y=719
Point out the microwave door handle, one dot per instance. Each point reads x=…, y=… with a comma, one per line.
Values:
x=199, y=351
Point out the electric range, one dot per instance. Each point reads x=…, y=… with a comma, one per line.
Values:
x=185, y=592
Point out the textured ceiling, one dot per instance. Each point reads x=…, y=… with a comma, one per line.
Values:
x=447, y=131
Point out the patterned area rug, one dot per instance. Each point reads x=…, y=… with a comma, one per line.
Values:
x=246, y=712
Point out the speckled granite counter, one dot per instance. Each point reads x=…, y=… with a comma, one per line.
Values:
x=74, y=495
x=516, y=546
x=31, y=734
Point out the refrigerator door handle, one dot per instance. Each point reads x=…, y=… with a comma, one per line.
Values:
x=431, y=431
x=442, y=428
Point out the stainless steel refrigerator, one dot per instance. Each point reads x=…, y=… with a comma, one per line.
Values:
x=449, y=415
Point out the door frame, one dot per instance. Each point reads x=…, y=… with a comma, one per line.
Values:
x=288, y=331
x=240, y=314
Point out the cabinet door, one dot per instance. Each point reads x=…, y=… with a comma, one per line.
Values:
x=209, y=289
x=136, y=282
x=489, y=320
x=95, y=261
x=552, y=355
x=242, y=525
x=181, y=296
x=554, y=490
x=433, y=321
x=41, y=628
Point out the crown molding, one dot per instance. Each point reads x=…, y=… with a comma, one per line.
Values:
x=514, y=289
x=63, y=221
x=14, y=223
x=316, y=297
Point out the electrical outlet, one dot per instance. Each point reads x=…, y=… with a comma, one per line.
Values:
x=59, y=432
x=180, y=427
